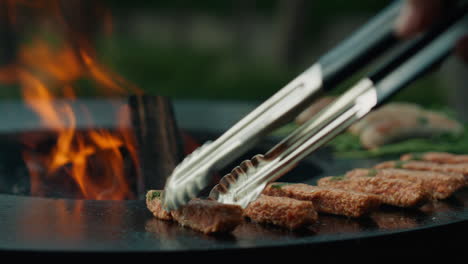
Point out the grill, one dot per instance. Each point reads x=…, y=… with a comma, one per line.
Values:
x=60, y=225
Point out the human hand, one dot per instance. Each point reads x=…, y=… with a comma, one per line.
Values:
x=417, y=15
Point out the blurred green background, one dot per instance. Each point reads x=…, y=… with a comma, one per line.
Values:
x=238, y=49
x=235, y=50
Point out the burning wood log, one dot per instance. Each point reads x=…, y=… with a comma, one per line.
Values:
x=159, y=143
x=96, y=162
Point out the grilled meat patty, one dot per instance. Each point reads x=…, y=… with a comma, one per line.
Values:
x=209, y=216
x=154, y=204
x=206, y=216
x=281, y=211
x=437, y=157
x=438, y=185
x=328, y=200
x=461, y=168
x=408, y=182
x=394, y=192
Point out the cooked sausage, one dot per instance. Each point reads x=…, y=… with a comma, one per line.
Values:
x=392, y=129
x=389, y=111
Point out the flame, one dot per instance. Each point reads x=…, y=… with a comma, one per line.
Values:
x=94, y=160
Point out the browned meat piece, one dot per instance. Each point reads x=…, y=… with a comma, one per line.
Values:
x=154, y=204
x=327, y=200
x=395, y=192
x=438, y=157
x=461, y=169
x=404, y=126
x=389, y=111
x=281, y=211
x=438, y=185
x=209, y=216
x=206, y=216
x=312, y=110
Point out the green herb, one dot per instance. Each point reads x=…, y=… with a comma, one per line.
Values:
x=372, y=172
x=399, y=164
x=338, y=178
x=279, y=185
x=422, y=120
x=417, y=156
x=155, y=194
x=349, y=146
x=346, y=143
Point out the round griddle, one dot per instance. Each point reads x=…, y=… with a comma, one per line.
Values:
x=34, y=224
x=47, y=225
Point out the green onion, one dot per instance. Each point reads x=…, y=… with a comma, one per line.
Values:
x=337, y=178
x=372, y=172
x=155, y=194
x=422, y=120
x=399, y=164
x=417, y=156
x=279, y=185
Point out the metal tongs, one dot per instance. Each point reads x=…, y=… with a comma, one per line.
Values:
x=247, y=181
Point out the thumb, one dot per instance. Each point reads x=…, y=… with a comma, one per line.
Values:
x=416, y=16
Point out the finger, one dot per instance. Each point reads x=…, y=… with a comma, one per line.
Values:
x=416, y=16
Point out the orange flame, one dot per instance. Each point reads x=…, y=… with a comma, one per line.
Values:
x=93, y=159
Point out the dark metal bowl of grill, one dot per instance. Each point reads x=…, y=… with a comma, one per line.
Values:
x=73, y=226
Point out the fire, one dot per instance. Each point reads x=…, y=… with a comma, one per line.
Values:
x=93, y=160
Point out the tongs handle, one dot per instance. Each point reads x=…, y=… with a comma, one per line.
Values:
x=413, y=60
x=246, y=182
x=399, y=71
x=363, y=46
x=288, y=102
x=194, y=172
x=338, y=64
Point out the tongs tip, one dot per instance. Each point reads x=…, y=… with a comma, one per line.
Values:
x=187, y=180
x=173, y=202
x=240, y=186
